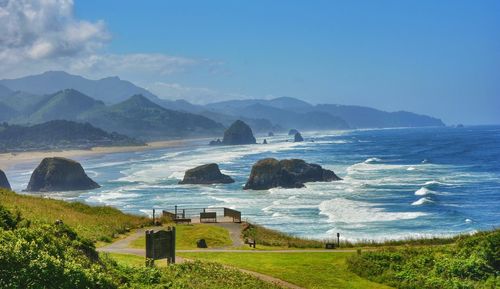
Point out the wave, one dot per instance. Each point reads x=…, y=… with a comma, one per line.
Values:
x=348, y=211
x=411, y=168
x=372, y=160
x=423, y=191
x=422, y=201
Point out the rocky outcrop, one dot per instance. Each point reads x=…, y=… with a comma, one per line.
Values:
x=298, y=137
x=206, y=174
x=238, y=133
x=293, y=173
x=215, y=142
x=265, y=141
x=59, y=174
x=4, y=183
x=292, y=131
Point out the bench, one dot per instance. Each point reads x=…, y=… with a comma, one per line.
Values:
x=182, y=221
x=251, y=242
x=329, y=246
x=208, y=217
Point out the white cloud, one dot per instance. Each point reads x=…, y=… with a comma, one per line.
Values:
x=41, y=35
x=43, y=29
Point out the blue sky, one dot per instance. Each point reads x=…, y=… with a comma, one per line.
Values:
x=435, y=57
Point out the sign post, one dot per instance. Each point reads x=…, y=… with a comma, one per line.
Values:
x=160, y=245
x=338, y=240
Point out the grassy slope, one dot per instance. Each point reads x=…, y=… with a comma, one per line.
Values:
x=94, y=223
x=197, y=274
x=187, y=235
x=310, y=270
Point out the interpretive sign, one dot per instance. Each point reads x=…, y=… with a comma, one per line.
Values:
x=160, y=245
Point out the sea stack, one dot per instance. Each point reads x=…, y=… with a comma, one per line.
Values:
x=239, y=133
x=59, y=174
x=298, y=137
x=4, y=183
x=293, y=173
x=205, y=175
x=292, y=131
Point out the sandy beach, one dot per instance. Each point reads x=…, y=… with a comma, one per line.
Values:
x=9, y=159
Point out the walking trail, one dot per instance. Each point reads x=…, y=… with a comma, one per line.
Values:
x=122, y=247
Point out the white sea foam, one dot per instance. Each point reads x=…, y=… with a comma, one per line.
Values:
x=411, y=168
x=422, y=201
x=372, y=160
x=347, y=211
x=423, y=192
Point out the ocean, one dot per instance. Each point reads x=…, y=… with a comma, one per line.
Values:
x=397, y=183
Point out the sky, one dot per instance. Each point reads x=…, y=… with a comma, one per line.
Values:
x=440, y=58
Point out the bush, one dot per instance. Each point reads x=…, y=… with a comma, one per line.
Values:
x=473, y=262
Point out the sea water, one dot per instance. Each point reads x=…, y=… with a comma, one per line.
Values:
x=397, y=183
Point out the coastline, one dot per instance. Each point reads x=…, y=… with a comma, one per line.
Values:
x=8, y=160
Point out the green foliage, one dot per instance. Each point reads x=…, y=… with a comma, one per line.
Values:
x=8, y=220
x=54, y=256
x=58, y=134
x=91, y=222
x=49, y=256
x=190, y=275
x=268, y=237
x=472, y=262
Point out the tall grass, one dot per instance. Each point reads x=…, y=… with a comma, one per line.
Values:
x=97, y=223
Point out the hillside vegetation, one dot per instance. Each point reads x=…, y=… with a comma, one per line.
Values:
x=471, y=262
x=93, y=223
x=36, y=255
x=58, y=134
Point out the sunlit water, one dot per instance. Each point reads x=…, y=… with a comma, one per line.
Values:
x=396, y=182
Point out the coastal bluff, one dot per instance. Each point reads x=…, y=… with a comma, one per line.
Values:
x=206, y=175
x=4, y=182
x=290, y=173
x=59, y=174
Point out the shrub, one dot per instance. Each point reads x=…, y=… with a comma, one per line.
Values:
x=473, y=262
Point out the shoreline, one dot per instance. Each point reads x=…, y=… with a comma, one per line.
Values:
x=8, y=160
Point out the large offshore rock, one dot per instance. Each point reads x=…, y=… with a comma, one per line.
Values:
x=59, y=174
x=206, y=174
x=292, y=131
x=4, y=183
x=238, y=133
x=298, y=137
x=270, y=173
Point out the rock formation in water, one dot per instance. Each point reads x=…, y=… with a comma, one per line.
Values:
x=298, y=137
x=293, y=173
x=265, y=141
x=238, y=133
x=4, y=183
x=215, y=142
x=292, y=131
x=205, y=175
x=59, y=174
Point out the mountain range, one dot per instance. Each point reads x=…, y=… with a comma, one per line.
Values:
x=118, y=105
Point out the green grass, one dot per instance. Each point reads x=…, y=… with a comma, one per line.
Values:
x=94, y=223
x=309, y=270
x=273, y=238
x=195, y=274
x=472, y=262
x=187, y=235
